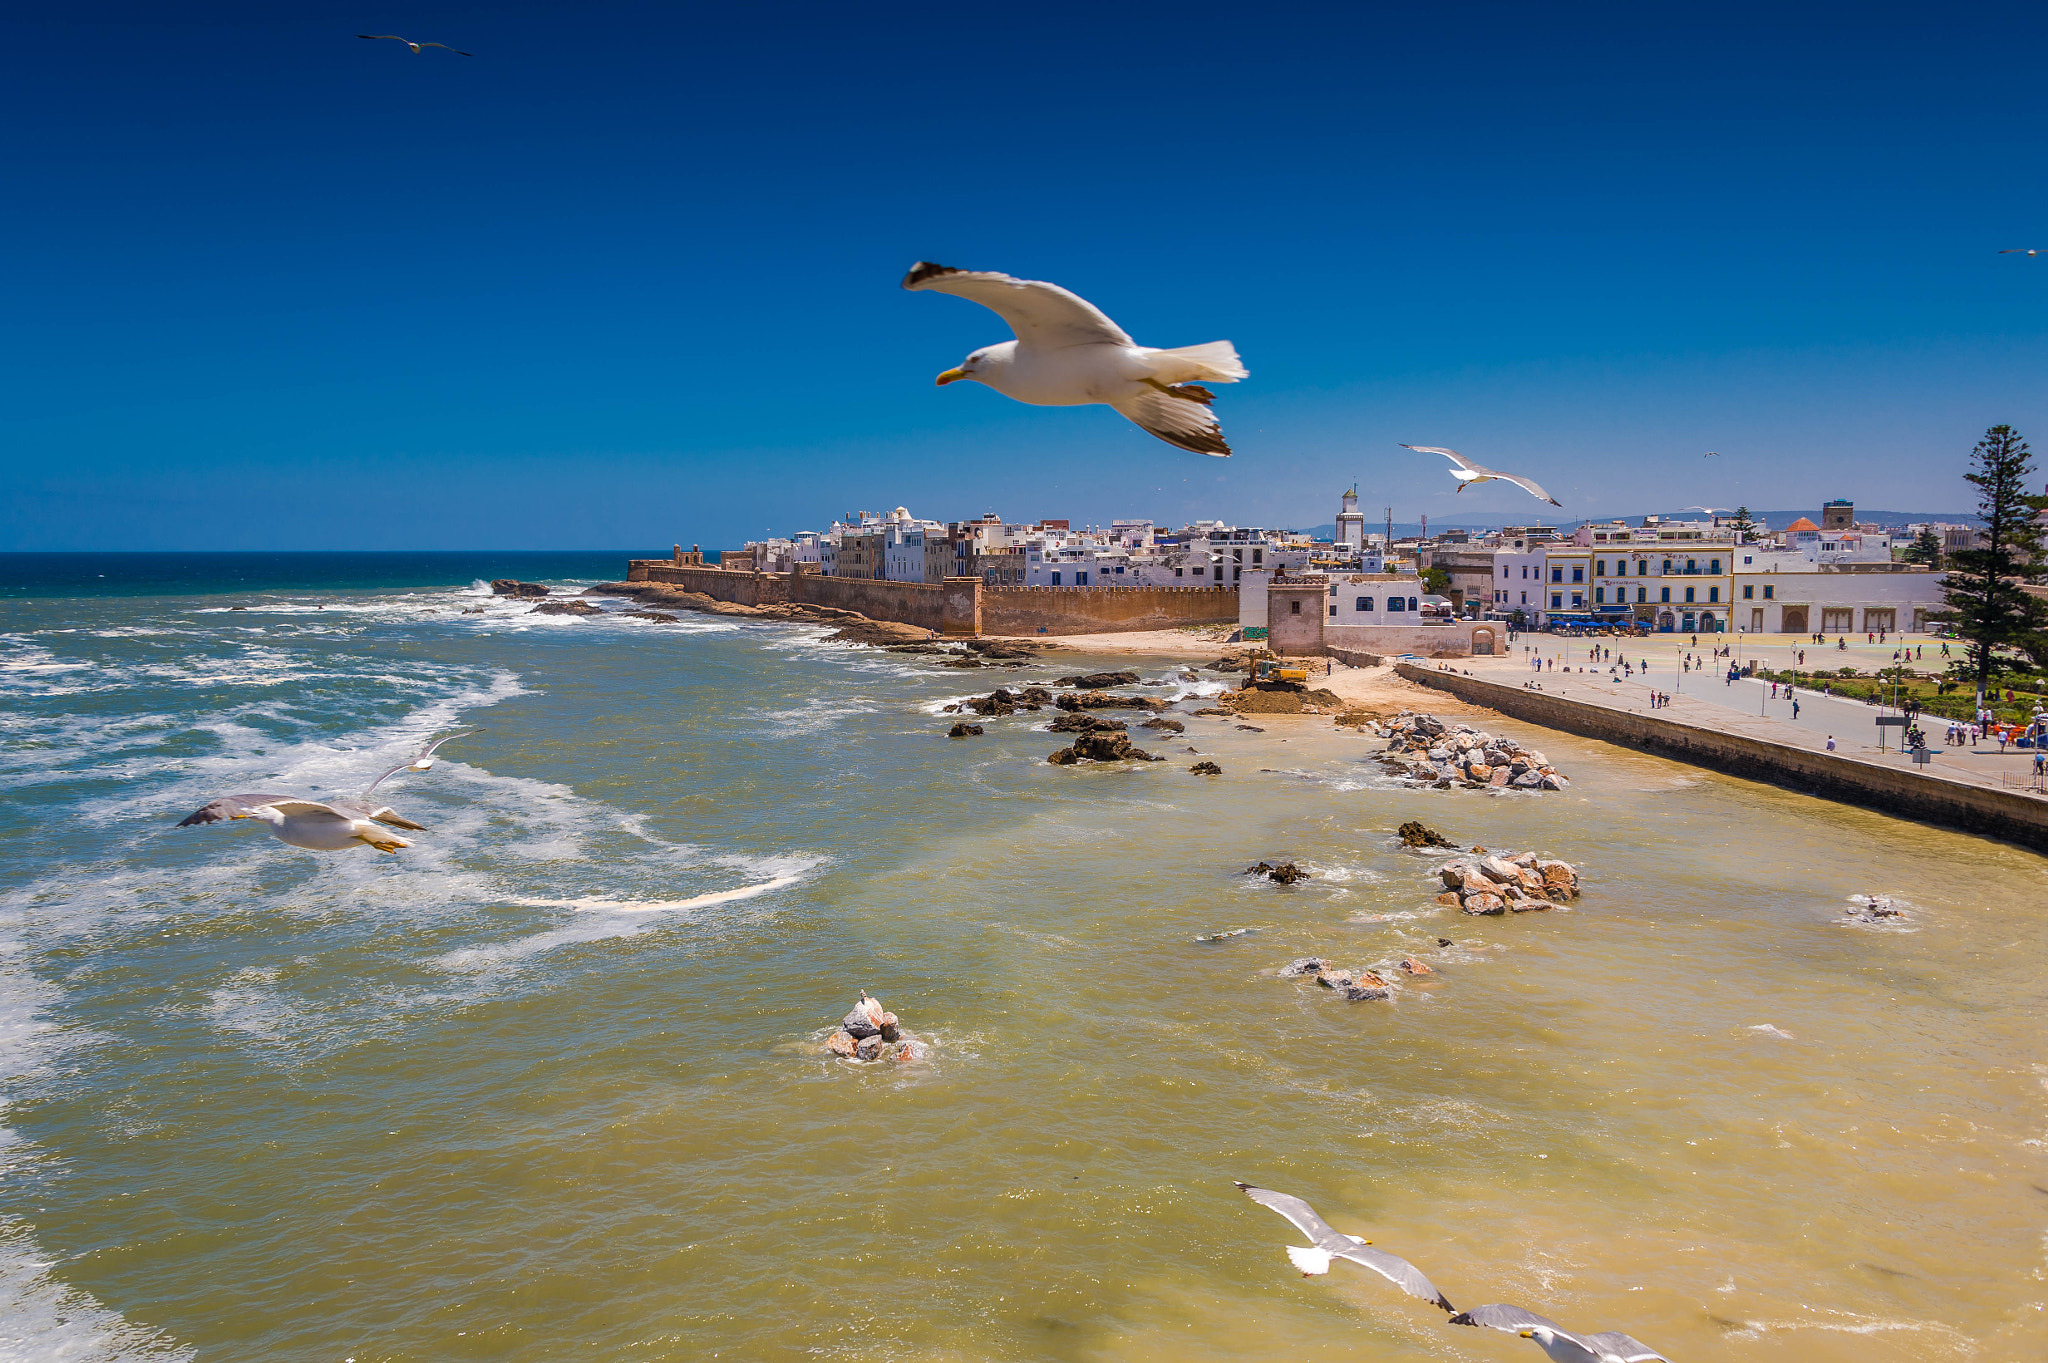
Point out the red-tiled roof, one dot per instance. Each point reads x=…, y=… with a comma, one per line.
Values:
x=1802, y=524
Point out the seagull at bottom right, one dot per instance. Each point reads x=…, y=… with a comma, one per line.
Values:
x=1563, y=1346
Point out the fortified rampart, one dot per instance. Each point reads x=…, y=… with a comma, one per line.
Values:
x=2008, y=815
x=1103, y=610
x=959, y=605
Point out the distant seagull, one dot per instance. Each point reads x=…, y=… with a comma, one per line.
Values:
x=1333, y=1244
x=1711, y=454
x=1068, y=354
x=1609, y=1346
x=329, y=826
x=393, y=37
x=2020, y=251
x=1468, y=473
x=1710, y=510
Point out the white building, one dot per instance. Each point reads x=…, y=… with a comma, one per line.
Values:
x=1786, y=592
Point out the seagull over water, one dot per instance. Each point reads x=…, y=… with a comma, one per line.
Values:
x=2021, y=251
x=1329, y=1243
x=393, y=37
x=1068, y=354
x=1563, y=1346
x=1468, y=473
x=325, y=826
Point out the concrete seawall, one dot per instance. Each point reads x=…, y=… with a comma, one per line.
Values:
x=2007, y=815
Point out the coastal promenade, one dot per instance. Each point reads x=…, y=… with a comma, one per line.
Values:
x=1739, y=729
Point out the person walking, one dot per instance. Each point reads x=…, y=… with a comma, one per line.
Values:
x=1795, y=707
x=1831, y=742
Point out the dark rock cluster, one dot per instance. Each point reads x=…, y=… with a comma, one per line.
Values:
x=512, y=586
x=1285, y=872
x=870, y=1033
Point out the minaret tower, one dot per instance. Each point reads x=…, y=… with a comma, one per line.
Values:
x=1350, y=522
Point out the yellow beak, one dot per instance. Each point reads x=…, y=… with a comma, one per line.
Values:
x=951, y=376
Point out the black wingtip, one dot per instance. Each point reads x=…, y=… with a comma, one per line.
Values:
x=1240, y=1183
x=1457, y=1317
x=923, y=270
x=1445, y=1303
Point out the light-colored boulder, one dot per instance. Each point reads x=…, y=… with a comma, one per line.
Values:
x=1484, y=904
x=1502, y=872
x=840, y=1043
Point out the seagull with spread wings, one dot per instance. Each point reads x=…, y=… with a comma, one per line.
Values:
x=2021, y=251
x=325, y=826
x=393, y=37
x=1069, y=354
x=1328, y=1243
x=1467, y=473
x=1563, y=1346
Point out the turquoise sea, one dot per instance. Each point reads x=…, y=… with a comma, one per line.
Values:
x=550, y=1082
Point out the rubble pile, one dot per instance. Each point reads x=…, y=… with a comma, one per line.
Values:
x=870, y=1033
x=1358, y=986
x=1495, y=883
x=1425, y=748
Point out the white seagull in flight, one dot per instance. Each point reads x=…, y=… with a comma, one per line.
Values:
x=2021, y=251
x=324, y=826
x=1468, y=473
x=1068, y=354
x=1563, y=1346
x=393, y=37
x=1331, y=1244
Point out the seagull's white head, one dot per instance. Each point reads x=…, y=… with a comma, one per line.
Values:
x=980, y=364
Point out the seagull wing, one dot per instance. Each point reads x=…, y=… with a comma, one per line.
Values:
x=1397, y=1271
x=456, y=50
x=1627, y=1349
x=1460, y=460
x=1505, y=1316
x=231, y=807
x=1041, y=314
x=1338, y=1245
x=379, y=37
x=1178, y=414
x=381, y=813
x=292, y=807
x=1529, y=485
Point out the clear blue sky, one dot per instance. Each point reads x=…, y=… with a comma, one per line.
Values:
x=629, y=275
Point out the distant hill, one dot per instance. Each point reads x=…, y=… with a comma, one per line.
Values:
x=1775, y=520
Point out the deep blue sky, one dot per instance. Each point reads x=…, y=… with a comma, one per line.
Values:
x=629, y=276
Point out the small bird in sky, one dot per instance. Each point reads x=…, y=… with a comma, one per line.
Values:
x=393, y=37
x=1068, y=354
x=1711, y=454
x=1330, y=1243
x=2020, y=251
x=1468, y=473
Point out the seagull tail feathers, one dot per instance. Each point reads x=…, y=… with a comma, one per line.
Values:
x=1309, y=1260
x=1216, y=362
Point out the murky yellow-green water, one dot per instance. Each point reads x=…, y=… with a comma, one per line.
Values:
x=274, y=1105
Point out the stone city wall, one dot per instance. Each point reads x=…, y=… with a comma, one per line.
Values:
x=960, y=605
x=1428, y=641
x=1103, y=610
x=2008, y=815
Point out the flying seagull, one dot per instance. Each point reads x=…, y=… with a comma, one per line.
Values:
x=1068, y=354
x=2021, y=251
x=324, y=826
x=1468, y=473
x=1563, y=1346
x=1711, y=454
x=1332, y=1244
x=393, y=37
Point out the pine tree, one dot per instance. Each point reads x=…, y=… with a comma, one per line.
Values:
x=1744, y=527
x=1983, y=587
x=1925, y=548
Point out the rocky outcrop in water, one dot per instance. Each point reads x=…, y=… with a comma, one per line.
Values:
x=1876, y=908
x=1427, y=749
x=1099, y=681
x=1285, y=872
x=964, y=731
x=1499, y=882
x=566, y=608
x=1080, y=722
x=871, y=1033
x=1206, y=769
x=1102, y=745
x=512, y=586
x=1416, y=834
x=1102, y=700
x=1172, y=726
